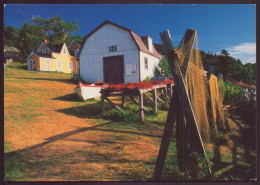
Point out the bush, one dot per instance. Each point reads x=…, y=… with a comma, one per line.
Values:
x=118, y=116
x=147, y=79
x=18, y=65
x=233, y=93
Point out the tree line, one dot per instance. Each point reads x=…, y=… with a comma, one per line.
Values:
x=232, y=69
x=27, y=39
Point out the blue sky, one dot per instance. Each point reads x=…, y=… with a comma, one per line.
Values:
x=231, y=27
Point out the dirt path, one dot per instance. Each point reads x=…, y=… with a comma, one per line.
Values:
x=54, y=136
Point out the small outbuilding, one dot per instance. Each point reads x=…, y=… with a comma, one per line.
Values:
x=115, y=54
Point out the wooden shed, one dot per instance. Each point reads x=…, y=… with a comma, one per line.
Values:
x=115, y=54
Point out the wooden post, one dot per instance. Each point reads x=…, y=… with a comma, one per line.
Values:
x=114, y=105
x=185, y=105
x=160, y=99
x=166, y=95
x=210, y=71
x=180, y=139
x=141, y=106
x=123, y=101
x=155, y=110
x=171, y=90
x=102, y=102
x=147, y=96
x=172, y=113
x=137, y=102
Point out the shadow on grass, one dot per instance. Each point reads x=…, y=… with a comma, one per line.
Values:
x=85, y=111
x=67, y=81
x=73, y=97
x=29, y=163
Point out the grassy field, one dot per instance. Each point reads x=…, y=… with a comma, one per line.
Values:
x=51, y=135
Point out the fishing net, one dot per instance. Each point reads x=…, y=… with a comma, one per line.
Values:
x=201, y=91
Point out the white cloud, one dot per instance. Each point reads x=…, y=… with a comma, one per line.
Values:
x=246, y=52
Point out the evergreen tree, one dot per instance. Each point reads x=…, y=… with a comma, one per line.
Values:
x=30, y=37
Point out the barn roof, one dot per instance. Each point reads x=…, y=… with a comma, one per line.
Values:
x=137, y=39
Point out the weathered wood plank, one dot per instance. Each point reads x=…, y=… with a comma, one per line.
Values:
x=210, y=71
x=155, y=110
x=137, y=102
x=160, y=99
x=184, y=103
x=102, y=102
x=172, y=113
x=123, y=101
x=114, y=105
x=141, y=107
x=148, y=97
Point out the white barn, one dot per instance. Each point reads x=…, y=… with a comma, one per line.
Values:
x=114, y=54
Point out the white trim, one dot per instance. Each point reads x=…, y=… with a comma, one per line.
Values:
x=40, y=63
x=66, y=49
x=49, y=66
x=59, y=60
x=30, y=64
x=31, y=54
x=76, y=53
x=71, y=65
x=45, y=45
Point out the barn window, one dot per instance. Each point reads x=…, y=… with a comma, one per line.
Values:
x=145, y=63
x=112, y=48
x=59, y=64
x=71, y=65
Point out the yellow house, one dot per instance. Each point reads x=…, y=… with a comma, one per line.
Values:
x=54, y=57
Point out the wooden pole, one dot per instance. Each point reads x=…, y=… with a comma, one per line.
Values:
x=102, y=102
x=171, y=90
x=137, y=102
x=155, y=110
x=185, y=105
x=123, y=101
x=210, y=71
x=166, y=95
x=160, y=99
x=172, y=113
x=148, y=97
x=114, y=105
x=141, y=106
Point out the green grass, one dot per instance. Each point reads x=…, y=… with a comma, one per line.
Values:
x=15, y=168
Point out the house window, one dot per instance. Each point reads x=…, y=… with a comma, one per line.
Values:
x=59, y=64
x=47, y=51
x=71, y=65
x=112, y=48
x=145, y=63
x=76, y=52
x=41, y=50
x=64, y=50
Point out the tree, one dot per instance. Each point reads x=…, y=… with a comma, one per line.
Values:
x=30, y=37
x=159, y=48
x=224, y=52
x=70, y=38
x=164, y=67
x=55, y=28
x=11, y=36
